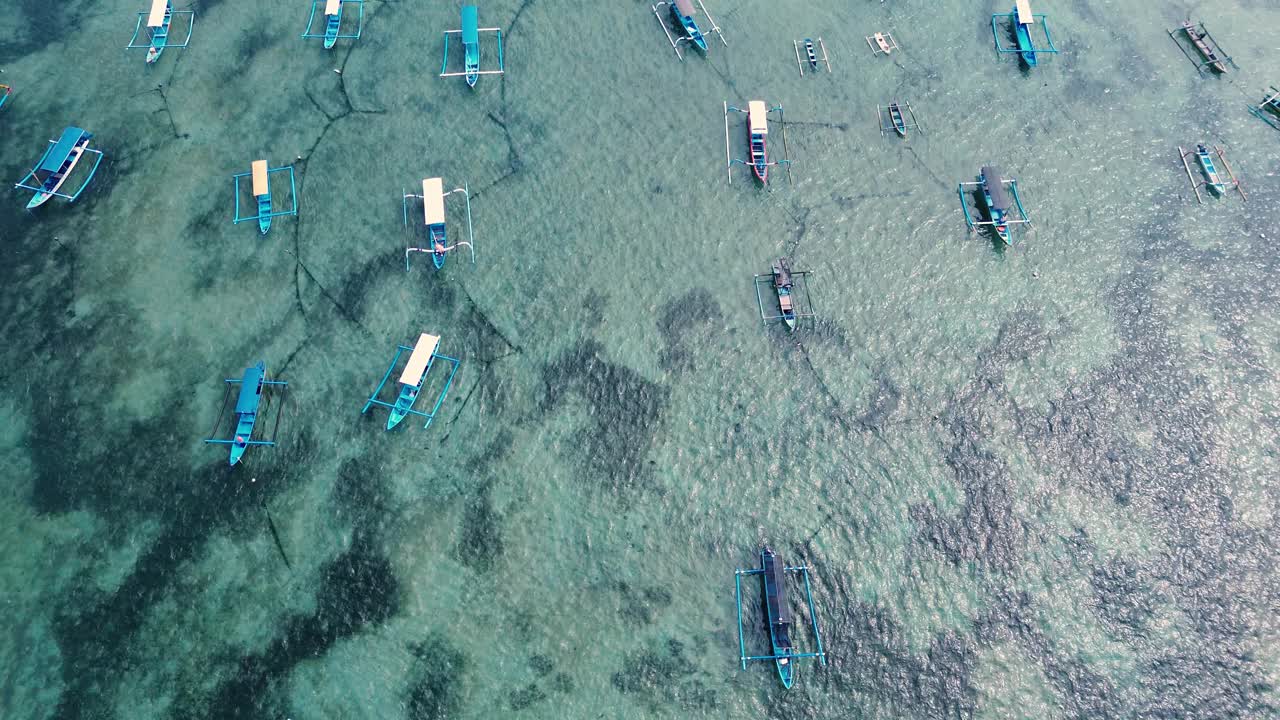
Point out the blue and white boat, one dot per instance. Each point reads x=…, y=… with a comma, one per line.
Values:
x=55, y=166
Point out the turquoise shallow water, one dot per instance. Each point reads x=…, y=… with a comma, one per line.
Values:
x=1031, y=483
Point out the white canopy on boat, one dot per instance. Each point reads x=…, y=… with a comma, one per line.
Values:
x=156, y=18
x=418, y=360
x=433, y=201
x=260, y=187
x=758, y=117
x=1023, y=8
x=331, y=7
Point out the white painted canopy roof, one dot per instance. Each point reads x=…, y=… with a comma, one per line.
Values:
x=260, y=187
x=422, y=352
x=1023, y=8
x=433, y=201
x=758, y=117
x=156, y=18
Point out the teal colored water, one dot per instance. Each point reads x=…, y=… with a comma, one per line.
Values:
x=1034, y=482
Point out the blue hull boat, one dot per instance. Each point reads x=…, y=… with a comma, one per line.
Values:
x=1025, y=46
x=683, y=12
x=57, y=164
x=160, y=36
x=471, y=44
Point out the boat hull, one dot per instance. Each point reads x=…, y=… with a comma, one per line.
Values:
x=899, y=123
x=813, y=56
x=244, y=431
x=1024, y=43
x=264, y=214
x=404, y=403
x=437, y=256
x=471, y=63
x=331, y=29
x=691, y=29
x=5, y=95
x=1214, y=180
x=160, y=38
x=55, y=183
x=759, y=158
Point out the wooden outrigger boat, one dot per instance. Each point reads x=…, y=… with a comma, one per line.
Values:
x=246, y=412
x=900, y=119
x=811, y=54
x=159, y=20
x=757, y=126
x=1213, y=179
x=470, y=33
x=778, y=617
x=685, y=16
x=1211, y=54
x=1267, y=111
x=881, y=43
x=787, y=286
x=433, y=216
x=333, y=15
x=55, y=166
x=998, y=203
x=422, y=357
x=1023, y=20
x=260, y=175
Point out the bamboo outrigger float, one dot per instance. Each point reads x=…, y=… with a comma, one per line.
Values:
x=470, y=33
x=997, y=203
x=1213, y=179
x=261, y=174
x=1212, y=56
x=333, y=13
x=791, y=289
x=882, y=43
x=432, y=197
x=422, y=357
x=158, y=20
x=55, y=166
x=757, y=113
x=1023, y=20
x=685, y=16
x=778, y=616
x=246, y=412
x=1268, y=111
x=894, y=118
x=811, y=54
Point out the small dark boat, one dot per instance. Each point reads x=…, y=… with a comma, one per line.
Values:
x=996, y=199
x=778, y=613
x=899, y=122
x=1200, y=37
x=811, y=53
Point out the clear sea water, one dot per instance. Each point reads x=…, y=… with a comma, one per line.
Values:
x=1030, y=483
